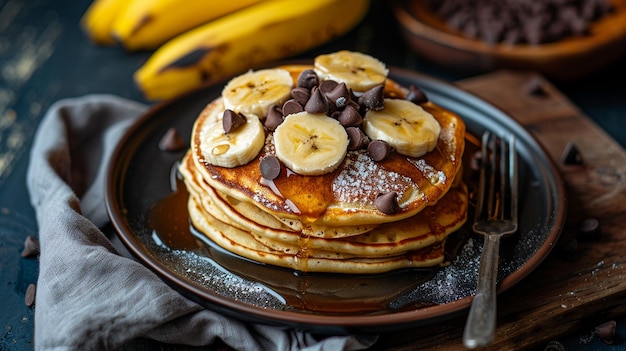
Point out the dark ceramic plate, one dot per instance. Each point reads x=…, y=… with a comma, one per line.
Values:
x=146, y=203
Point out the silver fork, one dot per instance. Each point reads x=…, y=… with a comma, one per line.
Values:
x=496, y=216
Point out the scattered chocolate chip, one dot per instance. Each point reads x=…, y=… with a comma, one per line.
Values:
x=31, y=247
x=327, y=85
x=340, y=95
x=292, y=106
x=356, y=138
x=301, y=95
x=373, y=98
x=416, y=95
x=590, y=229
x=317, y=103
x=29, y=297
x=232, y=120
x=387, y=203
x=379, y=150
x=270, y=167
x=350, y=117
x=571, y=155
x=606, y=331
x=171, y=141
x=274, y=117
x=534, y=87
x=307, y=79
x=555, y=346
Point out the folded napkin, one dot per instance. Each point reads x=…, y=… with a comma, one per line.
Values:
x=89, y=296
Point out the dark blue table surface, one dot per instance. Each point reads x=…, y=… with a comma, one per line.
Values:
x=45, y=57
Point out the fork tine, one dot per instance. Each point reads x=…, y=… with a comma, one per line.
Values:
x=482, y=182
x=498, y=183
x=513, y=174
x=492, y=204
x=505, y=174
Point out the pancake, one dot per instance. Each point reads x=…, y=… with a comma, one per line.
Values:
x=241, y=243
x=345, y=196
x=326, y=217
x=428, y=227
x=244, y=212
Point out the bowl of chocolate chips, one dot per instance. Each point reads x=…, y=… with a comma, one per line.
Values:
x=562, y=39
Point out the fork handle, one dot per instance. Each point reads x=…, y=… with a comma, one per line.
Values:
x=481, y=321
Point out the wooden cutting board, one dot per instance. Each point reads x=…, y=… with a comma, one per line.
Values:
x=583, y=282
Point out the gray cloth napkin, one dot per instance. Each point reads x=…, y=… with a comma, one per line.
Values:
x=89, y=297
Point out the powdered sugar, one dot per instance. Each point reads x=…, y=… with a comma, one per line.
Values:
x=434, y=176
x=447, y=136
x=260, y=198
x=362, y=179
x=450, y=283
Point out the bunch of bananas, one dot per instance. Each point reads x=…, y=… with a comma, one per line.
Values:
x=197, y=42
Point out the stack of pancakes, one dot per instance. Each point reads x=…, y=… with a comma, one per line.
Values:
x=329, y=222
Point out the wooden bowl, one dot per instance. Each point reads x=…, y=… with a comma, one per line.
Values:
x=568, y=59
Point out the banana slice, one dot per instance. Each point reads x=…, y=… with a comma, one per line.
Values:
x=311, y=144
x=255, y=91
x=359, y=71
x=404, y=125
x=233, y=149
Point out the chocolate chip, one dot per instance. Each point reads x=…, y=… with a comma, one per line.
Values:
x=270, y=167
x=512, y=21
x=590, y=229
x=317, y=103
x=606, y=331
x=171, y=141
x=307, y=79
x=373, y=98
x=571, y=155
x=356, y=138
x=350, y=117
x=292, y=106
x=339, y=95
x=387, y=203
x=29, y=297
x=301, y=95
x=274, y=117
x=31, y=247
x=232, y=120
x=416, y=95
x=534, y=87
x=327, y=85
x=379, y=150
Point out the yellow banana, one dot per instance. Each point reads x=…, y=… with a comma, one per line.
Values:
x=98, y=19
x=256, y=35
x=146, y=24
x=311, y=144
x=406, y=126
